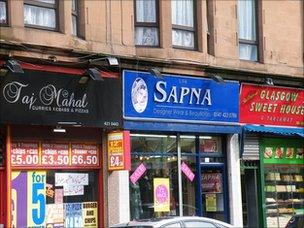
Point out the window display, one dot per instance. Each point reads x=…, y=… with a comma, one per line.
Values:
x=283, y=175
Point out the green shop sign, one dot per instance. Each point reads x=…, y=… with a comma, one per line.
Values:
x=282, y=151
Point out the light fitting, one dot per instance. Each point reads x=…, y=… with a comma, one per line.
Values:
x=156, y=73
x=91, y=73
x=217, y=78
x=58, y=129
x=269, y=81
x=112, y=61
x=14, y=66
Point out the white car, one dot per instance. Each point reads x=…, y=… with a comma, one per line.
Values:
x=174, y=222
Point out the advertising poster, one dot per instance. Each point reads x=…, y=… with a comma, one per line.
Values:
x=161, y=194
x=210, y=202
x=54, y=215
x=73, y=215
x=90, y=214
x=212, y=182
x=139, y=171
x=187, y=171
x=24, y=154
x=277, y=151
x=28, y=198
x=119, y=150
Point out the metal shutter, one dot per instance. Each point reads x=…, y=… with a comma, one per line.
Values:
x=251, y=147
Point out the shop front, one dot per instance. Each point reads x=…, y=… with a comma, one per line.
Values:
x=273, y=145
x=55, y=138
x=183, y=137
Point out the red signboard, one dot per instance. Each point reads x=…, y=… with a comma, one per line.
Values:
x=270, y=105
x=24, y=154
x=49, y=155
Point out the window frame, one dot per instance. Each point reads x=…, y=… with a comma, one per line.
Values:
x=148, y=24
x=255, y=42
x=47, y=6
x=187, y=29
x=75, y=13
x=6, y=11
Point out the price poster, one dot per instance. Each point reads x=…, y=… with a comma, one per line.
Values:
x=119, y=150
x=85, y=154
x=161, y=194
x=24, y=154
x=28, y=198
x=55, y=154
x=29, y=154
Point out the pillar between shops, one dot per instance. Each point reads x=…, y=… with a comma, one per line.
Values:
x=118, y=197
x=234, y=181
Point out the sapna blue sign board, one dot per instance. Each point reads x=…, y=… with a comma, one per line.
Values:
x=179, y=99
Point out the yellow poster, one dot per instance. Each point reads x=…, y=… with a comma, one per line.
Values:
x=210, y=202
x=90, y=214
x=161, y=194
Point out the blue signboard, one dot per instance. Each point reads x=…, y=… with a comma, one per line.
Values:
x=179, y=99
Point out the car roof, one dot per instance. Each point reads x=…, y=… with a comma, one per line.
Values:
x=157, y=222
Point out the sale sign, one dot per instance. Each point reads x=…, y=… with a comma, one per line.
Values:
x=269, y=105
x=161, y=194
x=119, y=150
x=139, y=171
x=24, y=153
x=187, y=171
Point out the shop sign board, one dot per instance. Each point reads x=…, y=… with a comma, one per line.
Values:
x=119, y=150
x=179, y=99
x=29, y=154
x=161, y=194
x=278, y=151
x=47, y=98
x=271, y=105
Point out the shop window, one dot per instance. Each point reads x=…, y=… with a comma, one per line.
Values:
x=55, y=198
x=188, y=151
x=210, y=148
x=3, y=12
x=247, y=20
x=146, y=23
x=183, y=24
x=41, y=14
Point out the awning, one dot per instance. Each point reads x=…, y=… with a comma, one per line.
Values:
x=275, y=130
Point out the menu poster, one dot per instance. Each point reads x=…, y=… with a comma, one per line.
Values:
x=53, y=154
x=119, y=150
x=212, y=182
x=277, y=151
x=85, y=154
x=24, y=154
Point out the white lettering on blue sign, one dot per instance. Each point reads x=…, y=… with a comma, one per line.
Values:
x=184, y=94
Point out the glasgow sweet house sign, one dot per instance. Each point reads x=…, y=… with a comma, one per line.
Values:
x=46, y=98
